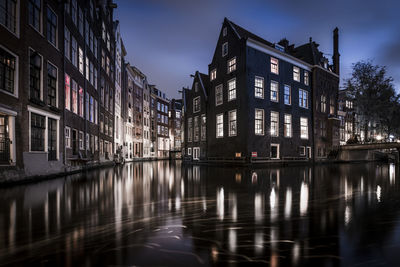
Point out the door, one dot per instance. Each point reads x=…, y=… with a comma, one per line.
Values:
x=309, y=152
x=74, y=142
x=274, y=151
x=4, y=140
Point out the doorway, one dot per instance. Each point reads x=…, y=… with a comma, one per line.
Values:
x=274, y=151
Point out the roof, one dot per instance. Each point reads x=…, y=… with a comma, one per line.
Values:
x=243, y=33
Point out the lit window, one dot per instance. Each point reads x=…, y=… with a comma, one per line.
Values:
x=67, y=137
x=196, y=104
x=287, y=129
x=81, y=101
x=306, y=78
x=274, y=65
x=274, y=123
x=81, y=60
x=7, y=71
x=220, y=126
x=232, y=123
x=232, y=65
x=302, y=151
x=287, y=95
x=259, y=122
x=274, y=91
x=218, y=95
x=303, y=128
x=332, y=105
x=74, y=97
x=323, y=103
x=81, y=140
x=232, y=89
x=213, y=75
x=67, y=92
x=296, y=73
x=87, y=69
x=91, y=109
x=303, y=98
x=259, y=87
x=224, y=49
x=203, y=128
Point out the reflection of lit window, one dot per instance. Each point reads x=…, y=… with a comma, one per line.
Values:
x=303, y=199
x=288, y=203
x=258, y=208
x=220, y=203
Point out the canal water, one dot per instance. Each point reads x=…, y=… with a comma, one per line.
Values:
x=167, y=214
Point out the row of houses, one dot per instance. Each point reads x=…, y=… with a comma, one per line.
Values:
x=263, y=101
x=68, y=97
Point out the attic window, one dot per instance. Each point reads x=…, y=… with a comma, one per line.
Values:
x=224, y=31
x=224, y=49
x=213, y=74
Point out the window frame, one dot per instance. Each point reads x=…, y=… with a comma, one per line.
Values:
x=296, y=74
x=15, y=74
x=230, y=90
x=272, y=64
x=230, y=121
x=285, y=86
x=225, y=44
x=194, y=104
x=262, y=88
x=287, y=126
x=56, y=84
x=55, y=27
x=302, y=128
x=262, y=120
x=220, y=115
x=221, y=99
x=231, y=67
x=277, y=91
x=277, y=123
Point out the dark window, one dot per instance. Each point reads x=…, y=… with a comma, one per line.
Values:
x=34, y=8
x=52, y=85
x=8, y=14
x=51, y=27
x=35, y=68
x=38, y=127
x=52, y=142
x=7, y=71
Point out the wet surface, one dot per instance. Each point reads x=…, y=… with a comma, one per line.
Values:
x=164, y=214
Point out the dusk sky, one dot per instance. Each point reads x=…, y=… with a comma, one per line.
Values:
x=169, y=40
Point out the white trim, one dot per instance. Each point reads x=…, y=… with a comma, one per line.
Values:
x=277, y=54
x=198, y=153
x=227, y=89
x=43, y=112
x=8, y=112
x=234, y=29
x=16, y=74
x=277, y=152
x=57, y=44
x=196, y=111
x=17, y=19
x=216, y=125
x=227, y=49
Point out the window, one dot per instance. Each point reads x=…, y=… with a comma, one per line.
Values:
x=67, y=92
x=232, y=89
x=296, y=73
x=91, y=73
x=303, y=128
x=224, y=31
x=196, y=129
x=274, y=151
x=51, y=85
x=81, y=60
x=274, y=65
x=38, y=127
x=259, y=87
x=51, y=27
x=332, y=105
x=232, y=65
x=91, y=109
x=302, y=151
x=67, y=137
x=287, y=127
x=306, y=78
x=108, y=41
x=213, y=75
x=8, y=14
x=35, y=69
x=274, y=91
x=190, y=130
x=189, y=151
x=196, y=104
x=303, y=98
x=203, y=127
x=259, y=122
x=349, y=104
x=52, y=139
x=103, y=59
x=95, y=78
x=108, y=65
x=74, y=97
x=67, y=43
x=87, y=106
x=274, y=123
x=74, y=11
x=95, y=112
x=74, y=51
x=218, y=95
x=81, y=101
x=232, y=123
x=323, y=103
x=80, y=21
x=81, y=140
x=95, y=47
x=103, y=31
x=87, y=69
x=287, y=95
x=34, y=8
x=220, y=126
x=322, y=125
x=87, y=32
x=224, y=49
x=7, y=71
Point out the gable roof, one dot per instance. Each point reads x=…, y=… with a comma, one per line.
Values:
x=243, y=33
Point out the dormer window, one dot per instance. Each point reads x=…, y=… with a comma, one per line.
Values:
x=224, y=31
x=213, y=74
x=224, y=49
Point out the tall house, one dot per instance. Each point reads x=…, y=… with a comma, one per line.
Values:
x=139, y=82
x=260, y=100
x=153, y=123
x=195, y=104
x=120, y=53
x=128, y=112
x=146, y=121
x=161, y=119
x=31, y=83
x=175, y=128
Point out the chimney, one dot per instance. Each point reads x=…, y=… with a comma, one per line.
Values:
x=336, y=55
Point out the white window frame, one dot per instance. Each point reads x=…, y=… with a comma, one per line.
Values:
x=277, y=124
x=277, y=91
x=230, y=133
x=301, y=128
x=67, y=137
x=217, y=103
x=302, y=98
x=302, y=150
x=56, y=44
x=277, y=65
x=286, y=133
x=262, y=122
x=290, y=94
x=194, y=100
x=196, y=153
x=216, y=125
x=231, y=67
x=233, y=97
x=277, y=150
x=296, y=77
x=255, y=87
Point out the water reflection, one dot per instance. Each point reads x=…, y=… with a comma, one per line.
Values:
x=161, y=213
